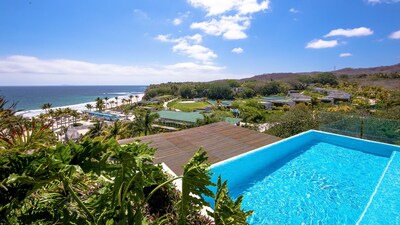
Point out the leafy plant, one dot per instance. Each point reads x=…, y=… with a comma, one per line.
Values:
x=27, y=135
x=298, y=119
x=227, y=211
x=195, y=181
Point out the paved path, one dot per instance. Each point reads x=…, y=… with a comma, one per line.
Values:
x=166, y=103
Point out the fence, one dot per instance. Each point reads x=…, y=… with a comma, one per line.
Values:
x=366, y=127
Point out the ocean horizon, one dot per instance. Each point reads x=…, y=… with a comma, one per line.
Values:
x=30, y=98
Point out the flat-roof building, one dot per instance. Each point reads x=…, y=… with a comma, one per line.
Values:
x=179, y=119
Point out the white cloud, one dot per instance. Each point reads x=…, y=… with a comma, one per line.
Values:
x=373, y=2
x=140, y=14
x=163, y=37
x=219, y=7
x=237, y=50
x=194, y=66
x=345, y=55
x=177, y=21
x=395, y=35
x=196, y=38
x=293, y=10
x=189, y=46
x=194, y=51
x=356, y=32
x=322, y=44
x=230, y=18
x=230, y=27
x=18, y=70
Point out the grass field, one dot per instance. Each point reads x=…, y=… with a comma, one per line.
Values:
x=313, y=94
x=188, y=107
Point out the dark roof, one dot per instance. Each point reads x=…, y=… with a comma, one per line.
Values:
x=333, y=94
x=297, y=97
x=338, y=95
x=283, y=102
x=220, y=140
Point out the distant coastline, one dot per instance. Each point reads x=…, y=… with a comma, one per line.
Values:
x=29, y=99
x=79, y=107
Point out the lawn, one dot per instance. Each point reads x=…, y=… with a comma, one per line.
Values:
x=188, y=107
x=313, y=94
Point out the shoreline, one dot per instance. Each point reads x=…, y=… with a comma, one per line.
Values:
x=79, y=107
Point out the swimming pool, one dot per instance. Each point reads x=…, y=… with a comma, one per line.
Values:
x=106, y=116
x=316, y=178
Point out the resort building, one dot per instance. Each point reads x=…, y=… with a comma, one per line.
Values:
x=332, y=95
x=283, y=102
x=178, y=119
x=298, y=98
x=339, y=95
x=267, y=105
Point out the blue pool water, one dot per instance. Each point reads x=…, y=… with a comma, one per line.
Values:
x=107, y=116
x=312, y=178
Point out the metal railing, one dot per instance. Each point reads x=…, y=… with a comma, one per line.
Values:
x=366, y=127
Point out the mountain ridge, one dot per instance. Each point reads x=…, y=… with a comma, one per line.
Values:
x=345, y=71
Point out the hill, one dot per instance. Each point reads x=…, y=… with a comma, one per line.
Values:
x=363, y=76
x=372, y=70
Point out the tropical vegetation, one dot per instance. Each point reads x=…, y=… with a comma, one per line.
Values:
x=98, y=181
x=375, y=103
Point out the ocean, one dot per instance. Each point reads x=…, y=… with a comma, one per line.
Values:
x=29, y=99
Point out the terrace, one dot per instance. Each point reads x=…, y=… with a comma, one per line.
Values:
x=220, y=140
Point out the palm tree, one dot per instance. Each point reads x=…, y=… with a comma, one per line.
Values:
x=137, y=98
x=116, y=100
x=96, y=130
x=46, y=106
x=99, y=104
x=112, y=102
x=89, y=107
x=144, y=120
x=115, y=131
x=130, y=99
x=74, y=115
x=150, y=118
x=106, y=99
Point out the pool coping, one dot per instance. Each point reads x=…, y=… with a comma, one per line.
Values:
x=294, y=136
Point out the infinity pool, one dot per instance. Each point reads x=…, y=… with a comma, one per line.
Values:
x=314, y=178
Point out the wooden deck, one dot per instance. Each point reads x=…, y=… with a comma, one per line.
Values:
x=220, y=140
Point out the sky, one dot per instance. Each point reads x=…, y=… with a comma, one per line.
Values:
x=104, y=42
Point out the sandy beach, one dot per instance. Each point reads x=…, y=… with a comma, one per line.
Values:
x=80, y=107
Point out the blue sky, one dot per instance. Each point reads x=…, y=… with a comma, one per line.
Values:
x=152, y=41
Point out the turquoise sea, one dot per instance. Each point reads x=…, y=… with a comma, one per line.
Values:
x=33, y=97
